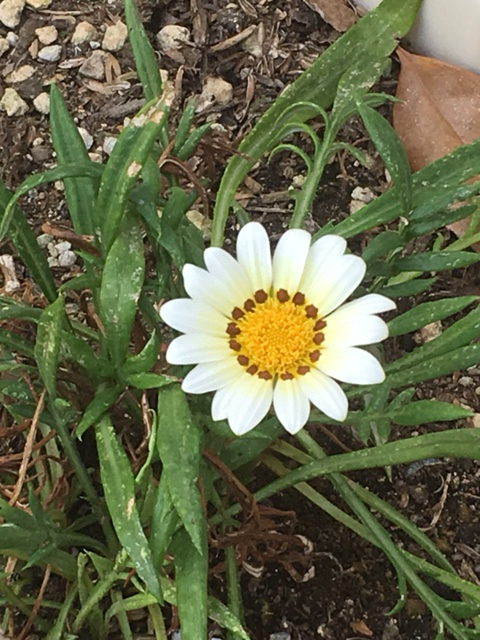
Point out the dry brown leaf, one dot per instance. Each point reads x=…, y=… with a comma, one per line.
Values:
x=336, y=12
x=360, y=626
x=439, y=111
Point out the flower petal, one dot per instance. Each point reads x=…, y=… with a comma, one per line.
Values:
x=202, y=286
x=249, y=404
x=193, y=348
x=253, y=254
x=210, y=376
x=351, y=365
x=322, y=252
x=336, y=283
x=227, y=270
x=289, y=259
x=349, y=330
x=221, y=402
x=291, y=405
x=366, y=305
x=192, y=316
x=325, y=394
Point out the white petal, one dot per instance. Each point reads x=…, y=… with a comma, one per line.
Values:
x=210, y=376
x=352, y=330
x=325, y=394
x=291, y=405
x=193, y=348
x=253, y=253
x=249, y=404
x=202, y=286
x=289, y=259
x=351, y=365
x=366, y=305
x=336, y=283
x=322, y=253
x=192, y=316
x=221, y=402
x=227, y=270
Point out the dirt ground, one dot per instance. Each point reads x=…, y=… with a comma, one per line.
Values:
x=353, y=587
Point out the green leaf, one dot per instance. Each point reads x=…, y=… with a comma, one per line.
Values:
x=165, y=521
x=27, y=247
x=442, y=365
x=410, y=288
x=124, y=166
x=119, y=488
x=191, y=572
x=382, y=244
x=143, y=361
x=47, y=344
x=146, y=61
x=426, y=313
x=122, y=283
x=371, y=39
x=91, y=169
x=178, y=441
x=149, y=380
x=436, y=261
x=105, y=396
x=391, y=151
x=69, y=147
x=440, y=219
x=424, y=411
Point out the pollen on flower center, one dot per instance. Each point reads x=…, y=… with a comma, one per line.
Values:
x=276, y=336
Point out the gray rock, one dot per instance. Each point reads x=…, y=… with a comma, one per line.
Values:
x=12, y=103
x=11, y=12
x=51, y=53
x=94, y=66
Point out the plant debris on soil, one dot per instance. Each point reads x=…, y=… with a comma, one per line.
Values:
x=236, y=57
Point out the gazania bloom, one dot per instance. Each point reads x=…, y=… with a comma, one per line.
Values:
x=263, y=330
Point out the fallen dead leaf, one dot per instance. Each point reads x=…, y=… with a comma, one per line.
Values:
x=439, y=111
x=336, y=12
x=360, y=626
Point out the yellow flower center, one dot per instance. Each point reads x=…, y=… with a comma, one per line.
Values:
x=276, y=335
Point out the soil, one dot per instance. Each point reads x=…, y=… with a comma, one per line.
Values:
x=349, y=587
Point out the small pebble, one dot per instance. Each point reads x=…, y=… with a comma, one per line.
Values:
x=39, y=4
x=61, y=247
x=12, y=103
x=280, y=635
x=465, y=381
x=172, y=36
x=94, y=66
x=215, y=90
x=84, y=32
x=363, y=194
x=20, y=74
x=12, y=39
x=52, y=261
x=43, y=240
x=11, y=12
x=115, y=36
x=108, y=144
x=51, y=53
x=46, y=35
x=476, y=420
x=42, y=103
x=95, y=157
x=86, y=137
x=67, y=259
x=4, y=46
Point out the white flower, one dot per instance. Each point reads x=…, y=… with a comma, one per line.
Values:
x=265, y=331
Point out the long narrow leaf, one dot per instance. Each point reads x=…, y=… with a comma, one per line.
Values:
x=47, y=345
x=119, y=488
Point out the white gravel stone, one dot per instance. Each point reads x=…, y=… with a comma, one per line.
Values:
x=24, y=72
x=39, y=4
x=4, y=46
x=12, y=39
x=86, y=137
x=46, y=35
x=42, y=103
x=51, y=53
x=115, y=36
x=12, y=103
x=52, y=261
x=363, y=194
x=108, y=144
x=61, y=247
x=215, y=90
x=10, y=12
x=84, y=32
x=67, y=259
x=172, y=36
x=94, y=66
x=43, y=240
